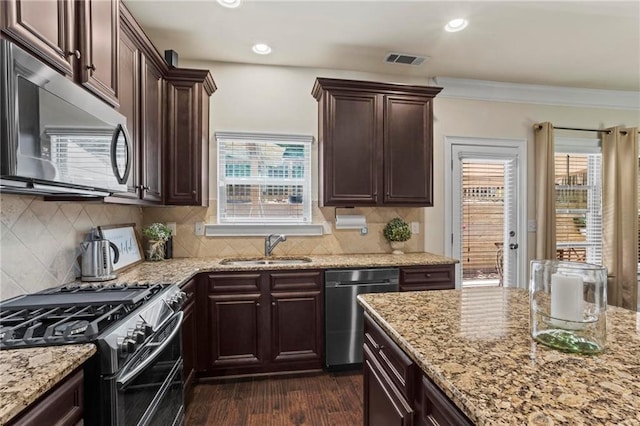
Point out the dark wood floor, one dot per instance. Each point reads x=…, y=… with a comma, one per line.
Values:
x=331, y=399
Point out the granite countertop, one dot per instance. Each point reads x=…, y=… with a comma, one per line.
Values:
x=475, y=345
x=180, y=270
x=26, y=374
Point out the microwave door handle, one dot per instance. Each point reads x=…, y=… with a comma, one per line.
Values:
x=125, y=379
x=114, y=145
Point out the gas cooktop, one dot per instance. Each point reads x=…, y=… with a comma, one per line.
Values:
x=70, y=314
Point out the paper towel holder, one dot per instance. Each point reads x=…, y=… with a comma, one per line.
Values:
x=351, y=221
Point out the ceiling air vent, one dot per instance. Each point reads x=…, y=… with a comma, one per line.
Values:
x=404, y=58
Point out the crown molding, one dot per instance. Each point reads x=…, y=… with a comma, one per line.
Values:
x=536, y=94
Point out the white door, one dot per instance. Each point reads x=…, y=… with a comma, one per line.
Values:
x=486, y=206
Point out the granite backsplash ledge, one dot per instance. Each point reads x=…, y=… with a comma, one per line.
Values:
x=187, y=244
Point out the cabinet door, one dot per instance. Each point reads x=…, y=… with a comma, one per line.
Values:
x=129, y=95
x=184, y=147
x=296, y=329
x=45, y=28
x=151, y=131
x=384, y=405
x=408, y=151
x=352, y=131
x=99, y=22
x=236, y=331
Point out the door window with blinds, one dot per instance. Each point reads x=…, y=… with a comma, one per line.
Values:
x=578, y=183
x=264, y=178
x=487, y=217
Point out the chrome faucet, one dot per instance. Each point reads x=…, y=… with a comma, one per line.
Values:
x=270, y=243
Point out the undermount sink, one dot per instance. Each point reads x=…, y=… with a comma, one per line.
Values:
x=276, y=261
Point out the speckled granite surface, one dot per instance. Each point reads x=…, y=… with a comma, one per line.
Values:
x=181, y=269
x=26, y=374
x=23, y=377
x=475, y=345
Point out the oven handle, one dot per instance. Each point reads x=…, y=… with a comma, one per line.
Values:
x=124, y=379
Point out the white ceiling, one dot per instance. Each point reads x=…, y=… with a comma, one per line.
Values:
x=574, y=44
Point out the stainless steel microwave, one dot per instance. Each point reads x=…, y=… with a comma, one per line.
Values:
x=57, y=138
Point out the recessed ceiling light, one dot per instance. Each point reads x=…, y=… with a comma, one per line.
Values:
x=261, y=49
x=456, y=25
x=230, y=3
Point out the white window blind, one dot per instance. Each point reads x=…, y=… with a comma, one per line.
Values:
x=483, y=221
x=264, y=178
x=578, y=183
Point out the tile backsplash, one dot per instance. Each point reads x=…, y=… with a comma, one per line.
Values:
x=187, y=244
x=40, y=240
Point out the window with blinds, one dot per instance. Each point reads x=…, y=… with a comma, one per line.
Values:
x=578, y=184
x=264, y=178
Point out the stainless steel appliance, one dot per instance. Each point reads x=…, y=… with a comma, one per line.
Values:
x=97, y=264
x=136, y=377
x=57, y=138
x=344, y=317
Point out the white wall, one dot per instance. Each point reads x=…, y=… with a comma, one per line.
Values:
x=278, y=100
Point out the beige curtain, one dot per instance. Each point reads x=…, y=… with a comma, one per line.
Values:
x=619, y=215
x=545, y=191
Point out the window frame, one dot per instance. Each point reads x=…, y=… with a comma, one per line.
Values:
x=583, y=146
x=267, y=183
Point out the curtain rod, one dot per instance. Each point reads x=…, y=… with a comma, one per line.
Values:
x=624, y=132
x=539, y=126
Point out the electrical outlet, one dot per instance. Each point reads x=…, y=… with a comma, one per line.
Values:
x=415, y=228
x=172, y=226
x=200, y=228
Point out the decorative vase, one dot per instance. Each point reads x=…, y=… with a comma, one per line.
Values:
x=569, y=305
x=155, y=250
x=397, y=247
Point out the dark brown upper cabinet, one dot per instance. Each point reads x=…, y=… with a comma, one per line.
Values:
x=187, y=143
x=375, y=143
x=142, y=101
x=77, y=38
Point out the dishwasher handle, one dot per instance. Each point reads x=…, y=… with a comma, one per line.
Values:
x=335, y=284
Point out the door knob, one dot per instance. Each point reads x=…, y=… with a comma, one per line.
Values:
x=75, y=53
x=513, y=246
x=91, y=67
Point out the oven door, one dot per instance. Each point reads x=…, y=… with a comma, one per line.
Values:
x=150, y=386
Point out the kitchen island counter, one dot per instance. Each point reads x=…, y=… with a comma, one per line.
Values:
x=475, y=346
x=27, y=374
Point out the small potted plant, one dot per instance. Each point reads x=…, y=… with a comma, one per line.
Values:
x=157, y=235
x=397, y=231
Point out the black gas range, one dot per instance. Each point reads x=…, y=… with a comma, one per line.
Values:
x=136, y=379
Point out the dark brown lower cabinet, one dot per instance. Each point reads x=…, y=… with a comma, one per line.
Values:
x=396, y=391
x=61, y=406
x=384, y=405
x=189, y=339
x=261, y=322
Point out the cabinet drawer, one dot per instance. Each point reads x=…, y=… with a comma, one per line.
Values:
x=298, y=280
x=234, y=283
x=437, y=409
x=62, y=406
x=190, y=290
x=396, y=363
x=427, y=278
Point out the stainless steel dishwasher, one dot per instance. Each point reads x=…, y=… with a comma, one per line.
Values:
x=343, y=317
